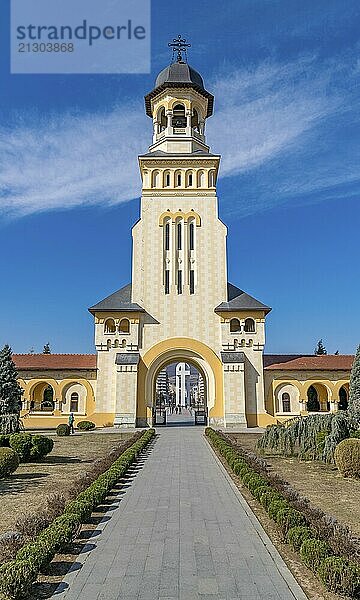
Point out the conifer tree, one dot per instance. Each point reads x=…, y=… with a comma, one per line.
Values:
x=47, y=349
x=320, y=348
x=10, y=393
x=354, y=395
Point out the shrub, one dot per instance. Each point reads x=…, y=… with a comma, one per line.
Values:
x=4, y=441
x=21, y=443
x=275, y=506
x=85, y=425
x=313, y=552
x=30, y=524
x=355, y=434
x=10, y=542
x=297, y=535
x=288, y=517
x=16, y=578
x=268, y=497
x=340, y=576
x=320, y=440
x=9, y=461
x=347, y=457
x=40, y=446
x=63, y=429
x=259, y=491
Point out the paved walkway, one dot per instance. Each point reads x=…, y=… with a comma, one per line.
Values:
x=182, y=531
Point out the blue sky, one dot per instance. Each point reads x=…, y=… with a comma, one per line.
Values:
x=285, y=74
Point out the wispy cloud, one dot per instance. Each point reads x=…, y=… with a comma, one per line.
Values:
x=262, y=114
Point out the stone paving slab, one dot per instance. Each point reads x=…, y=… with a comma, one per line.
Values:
x=182, y=531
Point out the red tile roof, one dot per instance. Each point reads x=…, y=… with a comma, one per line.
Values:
x=54, y=361
x=308, y=362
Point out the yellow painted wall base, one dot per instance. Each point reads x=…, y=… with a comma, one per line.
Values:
x=259, y=420
x=52, y=421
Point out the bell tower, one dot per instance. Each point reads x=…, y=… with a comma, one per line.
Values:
x=179, y=306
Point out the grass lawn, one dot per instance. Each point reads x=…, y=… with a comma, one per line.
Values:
x=321, y=483
x=27, y=487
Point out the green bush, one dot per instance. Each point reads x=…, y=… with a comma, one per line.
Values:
x=268, y=497
x=355, y=434
x=16, y=578
x=288, y=517
x=297, y=535
x=4, y=441
x=259, y=491
x=347, y=457
x=9, y=461
x=85, y=425
x=275, y=506
x=40, y=446
x=238, y=465
x=63, y=429
x=313, y=552
x=340, y=576
x=320, y=439
x=21, y=443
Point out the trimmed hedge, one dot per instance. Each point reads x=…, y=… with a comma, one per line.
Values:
x=63, y=429
x=9, y=461
x=338, y=574
x=30, y=447
x=17, y=576
x=4, y=441
x=297, y=535
x=85, y=425
x=347, y=457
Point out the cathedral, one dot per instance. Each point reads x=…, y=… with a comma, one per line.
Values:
x=179, y=306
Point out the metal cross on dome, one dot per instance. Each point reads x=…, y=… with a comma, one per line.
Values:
x=179, y=45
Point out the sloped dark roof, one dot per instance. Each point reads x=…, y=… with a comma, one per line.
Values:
x=119, y=301
x=131, y=358
x=238, y=300
x=179, y=74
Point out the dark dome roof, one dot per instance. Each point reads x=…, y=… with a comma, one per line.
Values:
x=179, y=72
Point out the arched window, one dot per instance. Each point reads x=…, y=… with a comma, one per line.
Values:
x=235, y=325
x=109, y=326
x=179, y=235
x=167, y=179
x=156, y=179
x=343, y=399
x=212, y=179
x=189, y=179
x=48, y=399
x=179, y=118
x=201, y=179
x=124, y=326
x=249, y=326
x=108, y=344
x=116, y=344
x=313, y=404
x=123, y=343
x=167, y=236
x=195, y=120
x=285, y=398
x=192, y=235
x=162, y=119
x=177, y=178
x=74, y=402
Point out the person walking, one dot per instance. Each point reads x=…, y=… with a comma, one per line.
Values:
x=71, y=422
x=176, y=410
x=179, y=409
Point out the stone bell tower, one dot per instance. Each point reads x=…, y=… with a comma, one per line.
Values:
x=180, y=306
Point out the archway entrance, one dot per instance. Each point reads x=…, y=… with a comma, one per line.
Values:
x=318, y=398
x=42, y=398
x=180, y=395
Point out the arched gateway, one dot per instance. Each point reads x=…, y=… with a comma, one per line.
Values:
x=180, y=306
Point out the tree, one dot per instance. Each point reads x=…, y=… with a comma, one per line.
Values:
x=10, y=393
x=337, y=353
x=320, y=348
x=354, y=395
x=47, y=349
